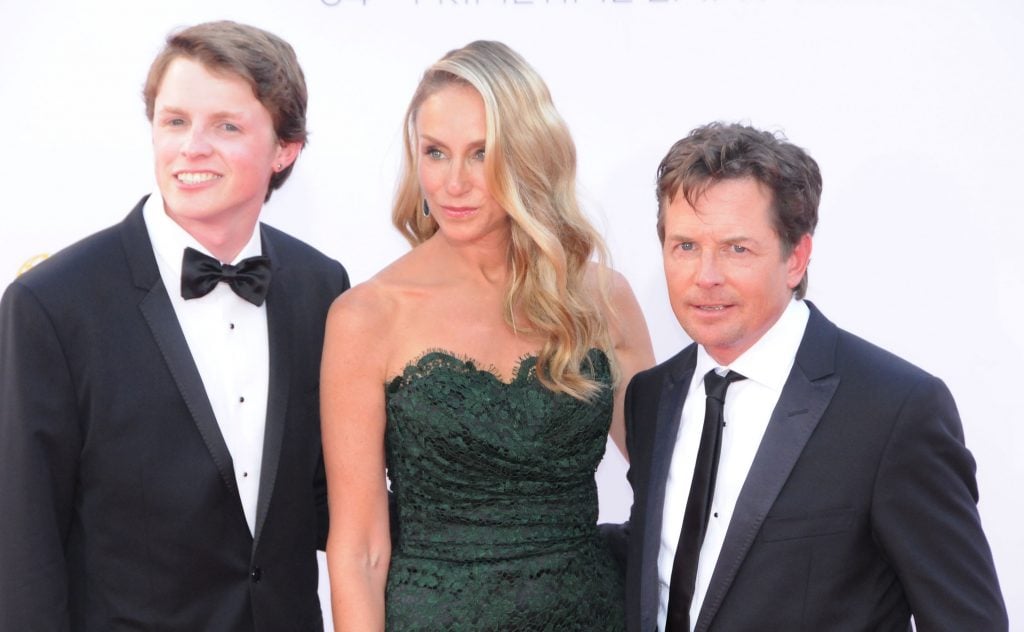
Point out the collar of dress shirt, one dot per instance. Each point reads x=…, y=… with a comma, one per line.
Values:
x=170, y=240
x=770, y=359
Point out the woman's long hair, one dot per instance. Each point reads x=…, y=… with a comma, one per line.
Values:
x=530, y=166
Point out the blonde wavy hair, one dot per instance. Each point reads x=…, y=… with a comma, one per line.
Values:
x=530, y=167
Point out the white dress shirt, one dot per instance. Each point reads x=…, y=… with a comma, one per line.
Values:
x=227, y=336
x=748, y=407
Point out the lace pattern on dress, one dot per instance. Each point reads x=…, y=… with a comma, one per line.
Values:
x=496, y=500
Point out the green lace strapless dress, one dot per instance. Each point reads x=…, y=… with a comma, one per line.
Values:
x=496, y=500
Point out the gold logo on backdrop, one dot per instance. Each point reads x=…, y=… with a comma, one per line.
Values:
x=32, y=262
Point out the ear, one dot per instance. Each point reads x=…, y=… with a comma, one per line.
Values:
x=798, y=260
x=286, y=155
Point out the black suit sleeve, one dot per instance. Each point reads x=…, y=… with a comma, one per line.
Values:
x=40, y=443
x=925, y=517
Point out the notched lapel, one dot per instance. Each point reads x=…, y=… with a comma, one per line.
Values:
x=808, y=391
x=278, y=322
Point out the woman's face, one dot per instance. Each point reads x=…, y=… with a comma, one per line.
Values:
x=451, y=131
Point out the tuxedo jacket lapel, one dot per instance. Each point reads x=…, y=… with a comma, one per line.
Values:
x=811, y=384
x=278, y=323
x=159, y=314
x=670, y=406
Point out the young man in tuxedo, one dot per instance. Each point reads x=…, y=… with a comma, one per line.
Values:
x=787, y=475
x=160, y=461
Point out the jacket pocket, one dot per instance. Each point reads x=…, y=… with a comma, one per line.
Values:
x=808, y=526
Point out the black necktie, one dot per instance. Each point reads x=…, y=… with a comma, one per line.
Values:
x=698, y=505
x=200, y=273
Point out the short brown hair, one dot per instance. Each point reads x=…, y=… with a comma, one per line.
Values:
x=724, y=151
x=265, y=61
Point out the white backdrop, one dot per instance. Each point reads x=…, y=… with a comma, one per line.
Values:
x=911, y=107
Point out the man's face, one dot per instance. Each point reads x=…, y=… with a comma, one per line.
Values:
x=214, y=146
x=728, y=281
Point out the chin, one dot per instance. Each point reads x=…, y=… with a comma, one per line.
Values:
x=701, y=334
x=713, y=340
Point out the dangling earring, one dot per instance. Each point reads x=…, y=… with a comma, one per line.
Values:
x=426, y=209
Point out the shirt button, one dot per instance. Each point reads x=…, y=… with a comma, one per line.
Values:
x=256, y=575
x=241, y=400
x=231, y=325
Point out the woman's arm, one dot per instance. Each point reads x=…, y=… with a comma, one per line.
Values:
x=353, y=372
x=633, y=351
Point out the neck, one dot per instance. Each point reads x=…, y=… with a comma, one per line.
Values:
x=224, y=239
x=484, y=260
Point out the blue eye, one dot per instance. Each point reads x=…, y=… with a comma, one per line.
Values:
x=176, y=122
x=738, y=249
x=479, y=155
x=686, y=245
x=231, y=127
x=434, y=153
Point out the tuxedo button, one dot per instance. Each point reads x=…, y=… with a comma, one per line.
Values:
x=256, y=574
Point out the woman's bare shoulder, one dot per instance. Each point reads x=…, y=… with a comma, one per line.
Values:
x=383, y=292
x=386, y=303
x=605, y=281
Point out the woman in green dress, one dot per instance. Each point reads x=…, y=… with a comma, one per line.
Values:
x=481, y=373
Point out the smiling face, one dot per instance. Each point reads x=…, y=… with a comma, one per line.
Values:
x=451, y=132
x=728, y=279
x=214, y=146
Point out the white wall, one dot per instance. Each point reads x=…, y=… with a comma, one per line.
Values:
x=910, y=106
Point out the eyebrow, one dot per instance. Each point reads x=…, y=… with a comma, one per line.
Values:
x=218, y=115
x=728, y=241
x=433, y=141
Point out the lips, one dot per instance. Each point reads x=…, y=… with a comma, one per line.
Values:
x=459, y=211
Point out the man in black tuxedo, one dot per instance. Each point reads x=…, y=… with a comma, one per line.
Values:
x=160, y=461
x=787, y=475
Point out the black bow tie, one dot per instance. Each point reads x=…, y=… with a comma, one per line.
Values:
x=200, y=273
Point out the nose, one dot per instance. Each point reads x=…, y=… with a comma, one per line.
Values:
x=457, y=181
x=710, y=272
x=195, y=143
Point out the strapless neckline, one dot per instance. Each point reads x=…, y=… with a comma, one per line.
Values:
x=418, y=367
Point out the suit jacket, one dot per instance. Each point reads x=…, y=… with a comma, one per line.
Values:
x=117, y=492
x=859, y=508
